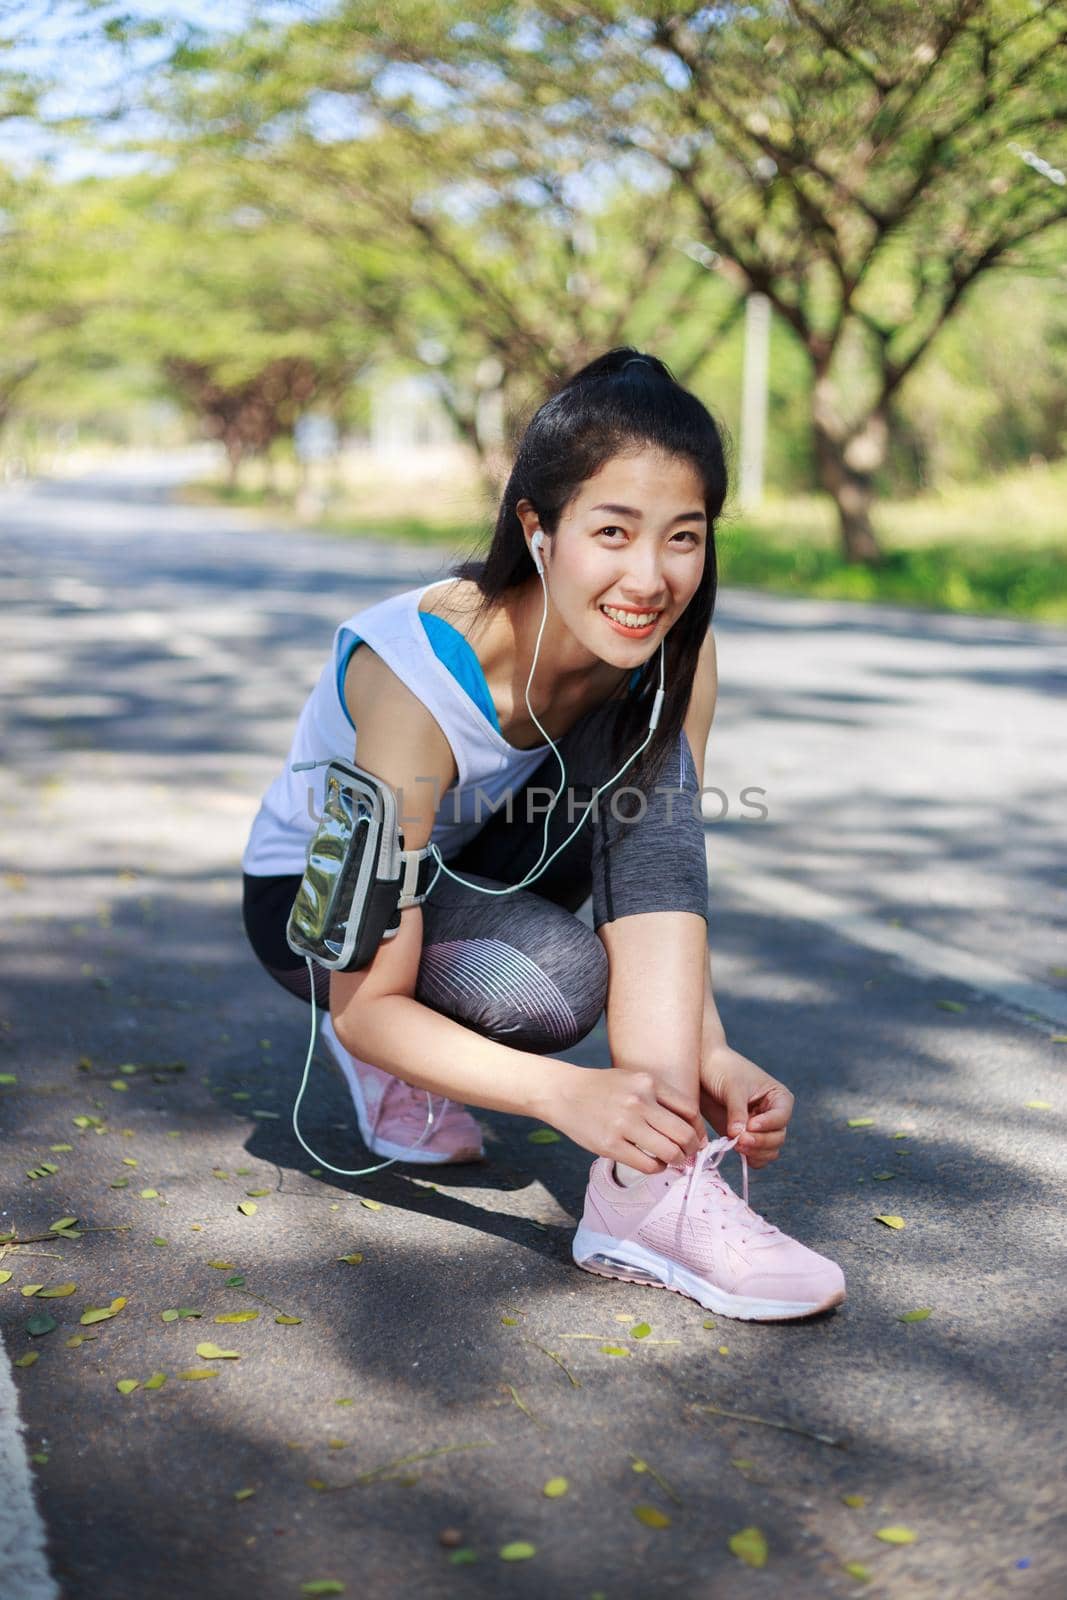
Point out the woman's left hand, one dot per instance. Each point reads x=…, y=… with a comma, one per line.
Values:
x=736, y=1096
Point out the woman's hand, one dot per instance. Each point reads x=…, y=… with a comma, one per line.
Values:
x=736, y=1096
x=622, y=1114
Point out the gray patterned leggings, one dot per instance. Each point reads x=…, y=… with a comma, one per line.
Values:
x=521, y=967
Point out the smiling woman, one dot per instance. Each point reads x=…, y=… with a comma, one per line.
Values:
x=575, y=654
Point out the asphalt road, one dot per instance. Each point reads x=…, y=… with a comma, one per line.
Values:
x=154, y=659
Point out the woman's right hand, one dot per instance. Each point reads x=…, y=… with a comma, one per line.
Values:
x=622, y=1114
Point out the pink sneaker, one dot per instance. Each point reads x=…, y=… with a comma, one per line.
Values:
x=685, y=1229
x=392, y=1114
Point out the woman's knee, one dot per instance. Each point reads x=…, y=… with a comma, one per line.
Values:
x=543, y=996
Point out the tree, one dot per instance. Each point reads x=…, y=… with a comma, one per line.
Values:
x=860, y=164
x=510, y=268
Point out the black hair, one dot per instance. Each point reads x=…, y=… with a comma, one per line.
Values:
x=618, y=403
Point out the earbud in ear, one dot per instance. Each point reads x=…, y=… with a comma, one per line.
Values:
x=535, y=549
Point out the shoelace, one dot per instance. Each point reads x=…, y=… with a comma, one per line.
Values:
x=704, y=1177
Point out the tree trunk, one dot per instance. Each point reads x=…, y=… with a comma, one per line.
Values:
x=846, y=461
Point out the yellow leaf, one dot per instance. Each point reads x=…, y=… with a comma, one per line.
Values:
x=519, y=1551
x=641, y=1331
x=129, y=1161
x=288, y=1322
x=198, y=1372
x=896, y=1535
x=223, y=1266
x=321, y=1585
x=257, y=1192
x=891, y=1222
x=854, y=1500
x=156, y=1381
x=64, y=1222
x=371, y=1205
x=149, y=1194
x=724, y=1349
x=4, y=1277
x=211, y=1352
x=28, y=1359
x=510, y=1322
x=742, y=1463
x=96, y=1314
x=1038, y=1105
x=127, y=1385
x=237, y=1316
x=244, y=1494
x=749, y=1546
x=652, y=1516
x=614, y=1350
x=57, y=1147
x=354, y=1259
x=555, y=1487
x=861, y=1122
x=919, y=1315
x=60, y=1291
x=31, y=1288
x=247, y=1208
x=79, y=1338
x=857, y=1570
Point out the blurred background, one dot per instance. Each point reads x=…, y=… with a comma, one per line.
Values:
x=330, y=258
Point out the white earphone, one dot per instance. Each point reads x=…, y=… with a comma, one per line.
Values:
x=536, y=544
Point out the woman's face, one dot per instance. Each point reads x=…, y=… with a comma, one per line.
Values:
x=628, y=554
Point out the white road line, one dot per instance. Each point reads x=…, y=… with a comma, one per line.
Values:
x=929, y=956
x=24, y=1573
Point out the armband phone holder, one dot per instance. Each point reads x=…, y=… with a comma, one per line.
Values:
x=358, y=876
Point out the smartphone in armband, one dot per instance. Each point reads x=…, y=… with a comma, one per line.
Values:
x=358, y=877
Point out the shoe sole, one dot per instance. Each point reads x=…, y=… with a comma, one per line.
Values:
x=616, y=1258
x=386, y=1147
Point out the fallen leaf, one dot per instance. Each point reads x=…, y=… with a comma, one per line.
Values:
x=641, y=1331
x=951, y=1005
x=28, y=1359
x=742, y=1464
x=156, y=1381
x=127, y=1385
x=237, y=1316
x=371, y=1205
x=891, y=1222
x=288, y=1322
x=652, y=1516
x=555, y=1487
x=543, y=1136
x=519, y=1551
x=198, y=1372
x=159, y=1241
x=244, y=1494
x=41, y=1322
x=854, y=1500
x=614, y=1350
x=222, y=1266
x=31, y=1288
x=1038, y=1105
x=724, y=1349
x=322, y=1586
x=211, y=1352
x=354, y=1259
x=149, y=1194
x=857, y=1570
x=749, y=1546
x=861, y=1122
x=5, y=1277
x=915, y=1316
x=896, y=1535
x=257, y=1192
x=247, y=1208
x=100, y=1314
x=60, y=1292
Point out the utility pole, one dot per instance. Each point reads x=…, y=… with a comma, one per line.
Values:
x=754, y=399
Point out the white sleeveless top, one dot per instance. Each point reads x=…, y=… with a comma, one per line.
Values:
x=289, y=811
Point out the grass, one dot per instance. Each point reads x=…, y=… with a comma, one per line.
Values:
x=996, y=548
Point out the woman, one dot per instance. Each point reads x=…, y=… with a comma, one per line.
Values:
x=601, y=569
